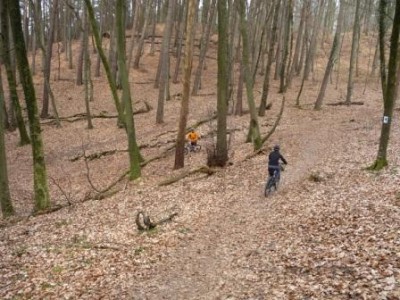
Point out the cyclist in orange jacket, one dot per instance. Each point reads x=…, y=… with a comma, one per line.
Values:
x=192, y=137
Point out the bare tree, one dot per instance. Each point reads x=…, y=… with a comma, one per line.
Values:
x=389, y=80
x=7, y=208
x=134, y=155
x=180, y=140
x=332, y=57
x=163, y=66
x=254, y=130
x=354, y=46
x=42, y=197
x=221, y=156
x=12, y=86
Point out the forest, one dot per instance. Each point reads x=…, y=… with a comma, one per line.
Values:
x=102, y=196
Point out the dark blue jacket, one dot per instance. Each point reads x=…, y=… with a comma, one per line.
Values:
x=274, y=157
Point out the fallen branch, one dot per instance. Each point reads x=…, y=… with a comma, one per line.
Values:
x=345, y=103
x=202, y=169
x=82, y=116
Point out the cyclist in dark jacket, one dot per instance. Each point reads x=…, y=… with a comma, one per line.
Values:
x=273, y=161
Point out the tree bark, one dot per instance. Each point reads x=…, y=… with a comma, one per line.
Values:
x=42, y=197
x=12, y=86
x=7, y=208
x=265, y=90
x=203, y=50
x=354, y=46
x=134, y=155
x=164, y=64
x=332, y=57
x=254, y=130
x=180, y=140
x=104, y=60
x=48, y=56
x=222, y=84
x=389, y=82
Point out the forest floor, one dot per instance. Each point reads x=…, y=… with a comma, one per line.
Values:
x=332, y=231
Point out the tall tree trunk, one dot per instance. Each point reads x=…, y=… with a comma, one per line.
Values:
x=285, y=42
x=332, y=57
x=139, y=48
x=7, y=208
x=134, y=155
x=80, y=61
x=222, y=84
x=42, y=197
x=135, y=22
x=180, y=140
x=164, y=64
x=110, y=78
x=203, y=50
x=265, y=91
x=12, y=85
x=354, y=46
x=254, y=130
x=389, y=82
x=86, y=70
x=299, y=41
x=47, y=67
x=182, y=18
x=314, y=37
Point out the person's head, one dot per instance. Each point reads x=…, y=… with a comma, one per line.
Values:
x=277, y=147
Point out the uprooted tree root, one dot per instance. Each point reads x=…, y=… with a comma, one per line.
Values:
x=143, y=221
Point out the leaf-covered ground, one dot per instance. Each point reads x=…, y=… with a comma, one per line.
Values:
x=331, y=232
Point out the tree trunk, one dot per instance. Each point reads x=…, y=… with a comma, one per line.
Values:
x=203, y=50
x=182, y=17
x=139, y=48
x=389, y=82
x=222, y=84
x=134, y=155
x=265, y=91
x=12, y=86
x=164, y=64
x=285, y=42
x=111, y=81
x=299, y=41
x=332, y=58
x=86, y=70
x=254, y=130
x=313, y=43
x=180, y=140
x=42, y=198
x=5, y=197
x=354, y=46
x=47, y=67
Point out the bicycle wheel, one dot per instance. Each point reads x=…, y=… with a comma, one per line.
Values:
x=268, y=186
x=186, y=150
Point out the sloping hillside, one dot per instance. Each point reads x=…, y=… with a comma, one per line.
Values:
x=331, y=232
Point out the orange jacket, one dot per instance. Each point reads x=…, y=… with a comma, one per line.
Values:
x=192, y=136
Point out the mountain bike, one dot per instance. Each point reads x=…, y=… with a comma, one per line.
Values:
x=192, y=148
x=273, y=182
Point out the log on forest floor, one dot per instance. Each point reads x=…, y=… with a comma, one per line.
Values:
x=345, y=104
x=201, y=169
x=82, y=116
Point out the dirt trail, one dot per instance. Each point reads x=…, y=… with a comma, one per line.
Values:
x=207, y=266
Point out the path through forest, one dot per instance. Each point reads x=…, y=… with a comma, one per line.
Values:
x=214, y=263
